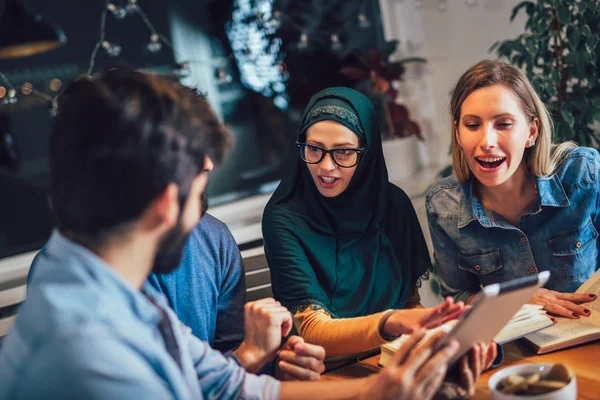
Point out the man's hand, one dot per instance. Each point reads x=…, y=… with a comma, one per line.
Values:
x=460, y=380
x=415, y=371
x=563, y=304
x=472, y=364
x=300, y=361
x=266, y=321
x=406, y=321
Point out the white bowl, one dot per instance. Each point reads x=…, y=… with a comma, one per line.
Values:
x=569, y=392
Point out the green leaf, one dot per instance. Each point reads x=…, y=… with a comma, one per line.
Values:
x=530, y=46
x=592, y=42
x=571, y=58
x=596, y=116
x=518, y=8
x=494, y=46
x=573, y=36
x=591, y=5
x=563, y=14
x=507, y=47
x=567, y=116
x=596, y=103
x=388, y=48
x=586, y=31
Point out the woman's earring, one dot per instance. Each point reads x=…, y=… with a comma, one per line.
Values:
x=531, y=143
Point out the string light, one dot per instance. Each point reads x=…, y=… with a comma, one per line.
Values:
x=303, y=42
x=55, y=84
x=275, y=21
x=121, y=9
x=118, y=12
x=132, y=7
x=26, y=88
x=223, y=78
x=11, y=98
x=182, y=70
x=154, y=45
x=111, y=49
x=336, y=45
x=363, y=21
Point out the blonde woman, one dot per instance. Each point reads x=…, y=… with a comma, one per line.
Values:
x=517, y=204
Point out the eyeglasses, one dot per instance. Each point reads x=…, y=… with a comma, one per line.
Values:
x=345, y=158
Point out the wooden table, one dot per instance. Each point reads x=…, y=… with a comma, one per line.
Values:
x=584, y=361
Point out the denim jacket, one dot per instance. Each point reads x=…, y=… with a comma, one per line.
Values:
x=559, y=234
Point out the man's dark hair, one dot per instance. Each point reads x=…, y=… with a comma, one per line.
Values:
x=118, y=140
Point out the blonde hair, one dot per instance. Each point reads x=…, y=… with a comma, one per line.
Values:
x=543, y=158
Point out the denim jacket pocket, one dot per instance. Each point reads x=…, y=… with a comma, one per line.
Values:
x=573, y=241
x=485, y=263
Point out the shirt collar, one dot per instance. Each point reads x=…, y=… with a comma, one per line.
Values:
x=470, y=207
x=552, y=193
x=550, y=190
x=98, y=272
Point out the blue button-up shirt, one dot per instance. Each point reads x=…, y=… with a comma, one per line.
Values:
x=85, y=333
x=559, y=234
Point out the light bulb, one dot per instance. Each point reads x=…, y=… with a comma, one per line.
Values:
x=131, y=6
x=336, y=45
x=27, y=88
x=442, y=5
x=303, y=43
x=154, y=45
x=55, y=84
x=363, y=21
x=112, y=50
x=471, y=3
x=11, y=98
x=418, y=4
x=223, y=78
x=118, y=12
x=182, y=70
x=275, y=22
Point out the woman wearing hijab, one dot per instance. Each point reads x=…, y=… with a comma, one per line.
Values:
x=344, y=245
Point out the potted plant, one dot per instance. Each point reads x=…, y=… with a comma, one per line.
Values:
x=382, y=74
x=560, y=54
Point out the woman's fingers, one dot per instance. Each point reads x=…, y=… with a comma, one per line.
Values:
x=577, y=298
x=575, y=308
x=559, y=310
x=449, y=313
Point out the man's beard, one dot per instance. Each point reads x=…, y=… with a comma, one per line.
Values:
x=204, y=202
x=170, y=250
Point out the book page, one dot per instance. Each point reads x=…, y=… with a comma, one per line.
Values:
x=592, y=286
x=563, y=331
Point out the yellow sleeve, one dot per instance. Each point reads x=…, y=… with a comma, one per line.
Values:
x=340, y=336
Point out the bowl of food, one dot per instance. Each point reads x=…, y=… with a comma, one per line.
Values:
x=534, y=382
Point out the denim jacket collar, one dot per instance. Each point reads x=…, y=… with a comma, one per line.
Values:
x=551, y=193
x=61, y=247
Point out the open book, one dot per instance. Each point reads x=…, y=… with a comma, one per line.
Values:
x=570, y=332
x=530, y=318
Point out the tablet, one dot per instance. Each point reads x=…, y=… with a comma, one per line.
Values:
x=491, y=310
